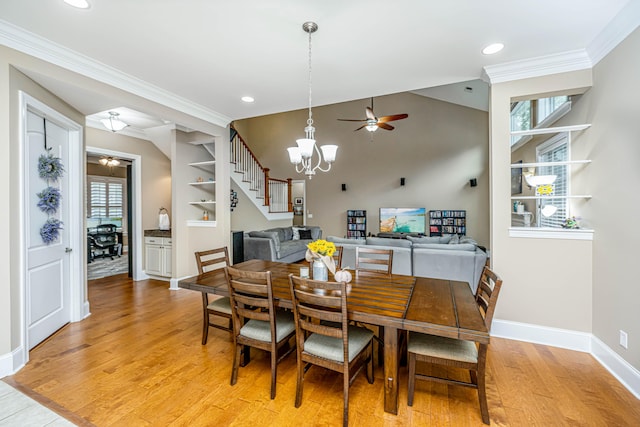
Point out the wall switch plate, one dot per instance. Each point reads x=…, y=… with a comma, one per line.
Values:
x=623, y=339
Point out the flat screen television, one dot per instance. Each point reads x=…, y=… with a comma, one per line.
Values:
x=403, y=220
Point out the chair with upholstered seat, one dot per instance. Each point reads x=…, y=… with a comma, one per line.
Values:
x=375, y=261
x=210, y=260
x=457, y=353
x=324, y=336
x=337, y=257
x=371, y=260
x=256, y=321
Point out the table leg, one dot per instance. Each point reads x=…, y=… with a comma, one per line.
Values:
x=391, y=370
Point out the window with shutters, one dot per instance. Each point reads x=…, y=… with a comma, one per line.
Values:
x=106, y=200
x=554, y=150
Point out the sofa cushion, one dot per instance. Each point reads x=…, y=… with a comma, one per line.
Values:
x=465, y=239
x=381, y=241
x=305, y=234
x=290, y=247
x=455, y=239
x=295, y=232
x=273, y=235
x=316, y=232
x=288, y=233
x=343, y=240
x=424, y=239
x=279, y=231
x=447, y=247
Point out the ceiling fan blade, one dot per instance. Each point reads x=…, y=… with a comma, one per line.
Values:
x=385, y=126
x=352, y=120
x=360, y=127
x=370, y=114
x=385, y=119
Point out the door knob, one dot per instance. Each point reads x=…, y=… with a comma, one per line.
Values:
x=67, y=250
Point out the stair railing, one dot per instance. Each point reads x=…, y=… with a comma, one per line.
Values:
x=276, y=193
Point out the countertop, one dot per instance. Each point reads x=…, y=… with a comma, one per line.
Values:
x=157, y=233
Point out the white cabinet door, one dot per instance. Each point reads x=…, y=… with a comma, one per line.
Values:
x=154, y=259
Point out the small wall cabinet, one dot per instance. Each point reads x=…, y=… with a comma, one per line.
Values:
x=356, y=224
x=158, y=256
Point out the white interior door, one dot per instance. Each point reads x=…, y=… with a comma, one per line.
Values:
x=47, y=280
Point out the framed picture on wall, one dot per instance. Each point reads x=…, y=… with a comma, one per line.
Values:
x=516, y=180
x=297, y=200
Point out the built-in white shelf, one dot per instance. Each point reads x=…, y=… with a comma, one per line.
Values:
x=202, y=203
x=549, y=197
x=202, y=183
x=542, y=131
x=200, y=223
x=541, y=164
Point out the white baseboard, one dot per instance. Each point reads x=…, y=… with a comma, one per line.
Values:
x=11, y=363
x=628, y=376
x=173, y=284
x=619, y=368
x=555, y=337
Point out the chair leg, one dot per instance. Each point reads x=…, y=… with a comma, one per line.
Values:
x=274, y=372
x=236, y=364
x=205, y=324
x=299, y=382
x=370, y=364
x=412, y=378
x=345, y=386
x=380, y=345
x=480, y=376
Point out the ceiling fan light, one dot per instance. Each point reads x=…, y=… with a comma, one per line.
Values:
x=329, y=152
x=104, y=161
x=372, y=128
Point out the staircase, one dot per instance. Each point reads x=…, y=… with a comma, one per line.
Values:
x=270, y=195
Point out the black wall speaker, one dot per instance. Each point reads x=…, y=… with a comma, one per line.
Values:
x=401, y=181
x=473, y=182
x=344, y=187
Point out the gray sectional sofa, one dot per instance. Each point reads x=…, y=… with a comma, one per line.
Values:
x=284, y=244
x=445, y=257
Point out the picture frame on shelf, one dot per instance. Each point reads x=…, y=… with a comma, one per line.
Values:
x=297, y=200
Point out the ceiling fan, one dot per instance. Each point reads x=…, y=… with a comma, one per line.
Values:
x=372, y=123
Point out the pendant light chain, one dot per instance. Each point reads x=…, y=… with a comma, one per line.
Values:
x=310, y=120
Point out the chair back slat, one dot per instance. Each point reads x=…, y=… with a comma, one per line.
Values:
x=487, y=294
x=212, y=259
x=251, y=297
x=337, y=257
x=377, y=261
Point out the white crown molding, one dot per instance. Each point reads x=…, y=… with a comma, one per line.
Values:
x=31, y=44
x=618, y=29
x=535, y=67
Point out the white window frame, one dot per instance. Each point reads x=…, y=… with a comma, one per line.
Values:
x=107, y=180
x=562, y=139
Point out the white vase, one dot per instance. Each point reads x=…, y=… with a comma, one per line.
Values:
x=320, y=270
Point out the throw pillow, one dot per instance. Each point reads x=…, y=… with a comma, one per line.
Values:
x=455, y=239
x=305, y=234
x=296, y=233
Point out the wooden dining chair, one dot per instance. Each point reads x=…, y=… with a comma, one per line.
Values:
x=337, y=257
x=210, y=260
x=324, y=336
x=256, y=322
x=377, y=261
x=458, y=353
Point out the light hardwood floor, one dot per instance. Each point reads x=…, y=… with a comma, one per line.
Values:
x=137, y=361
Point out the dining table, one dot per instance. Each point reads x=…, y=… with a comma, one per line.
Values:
x=394, y=302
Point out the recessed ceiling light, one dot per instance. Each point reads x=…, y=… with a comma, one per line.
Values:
x=493, y=48
x=247, y=99
x=80, y=4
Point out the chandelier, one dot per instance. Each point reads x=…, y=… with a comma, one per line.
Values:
x=302, y=156
x=109, y=161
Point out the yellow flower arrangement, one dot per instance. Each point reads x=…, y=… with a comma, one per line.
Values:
x=322, y=247
x=323, y=250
